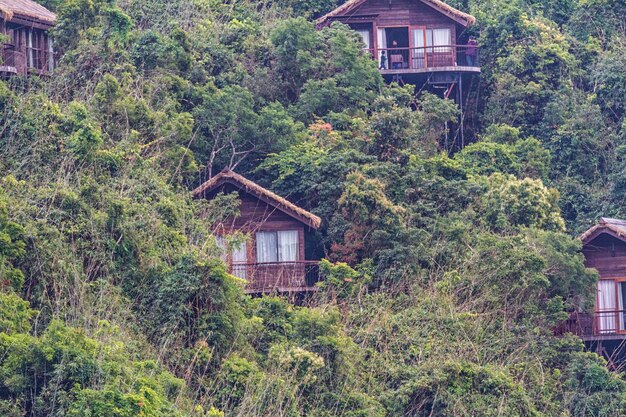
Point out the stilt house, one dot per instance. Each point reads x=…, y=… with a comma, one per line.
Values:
x=410, y=36
x=425, y=43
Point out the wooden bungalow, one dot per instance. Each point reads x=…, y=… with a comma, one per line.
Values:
x=273, y=258
x=410, y=36
x=27, y=47
x=421, y=42
x=604, y=330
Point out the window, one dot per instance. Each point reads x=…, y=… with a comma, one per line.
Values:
x=610, y=306
x=365, y=35
x=238, y=257
x=606, y=306
x=281, y=246
x=442, y=37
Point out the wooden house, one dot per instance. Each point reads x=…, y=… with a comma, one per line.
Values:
x=421, y=42
x=273, y=258
x=410, y=36
x=27, y=47
x=604, y=330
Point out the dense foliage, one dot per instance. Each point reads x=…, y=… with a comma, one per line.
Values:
x=447, y=266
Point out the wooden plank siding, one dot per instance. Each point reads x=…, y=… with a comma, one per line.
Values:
x=16, y=49
x=258, y=216
x=404, y=13
x=607, y=255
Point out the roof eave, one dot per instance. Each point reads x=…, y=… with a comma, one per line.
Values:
x=463, y=19
x=599, y=229
x=268, y=197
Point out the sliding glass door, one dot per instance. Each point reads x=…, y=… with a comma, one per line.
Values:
x=418, y=53
x=621, y=297
x=606, y=307
x=610, y=307
x=431, y=47
x=280, y=246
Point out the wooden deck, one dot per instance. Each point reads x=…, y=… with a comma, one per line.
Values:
x=278, y=277
x=30, y=61
x=593, y=327
x=448, y=58
x=429, y=70
x=8, y=69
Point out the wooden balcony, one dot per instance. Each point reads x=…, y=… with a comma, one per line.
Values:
x=601, y=325
x=32, y=61
x=449, y=58
x=278, y=277
x=8, y=64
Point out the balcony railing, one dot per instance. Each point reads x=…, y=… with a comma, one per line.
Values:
x=34, y=60
x=8, y=55
x=596, y=325
x=40, y=60
x=423, y=58
x=278, y=276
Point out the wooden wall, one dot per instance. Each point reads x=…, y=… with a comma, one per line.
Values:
x=399, y=13
x=607, y=254
x=18, y=37
x=403, y=13
x=258, y=216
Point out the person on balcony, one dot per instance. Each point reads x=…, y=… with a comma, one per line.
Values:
x=470, y=51
x=383, y=60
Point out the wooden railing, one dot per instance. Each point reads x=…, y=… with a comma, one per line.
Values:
x=598, y=324
x=8, y=55
x=426, y=57
x=34, y=60
x=278, y=276
x=41, y=60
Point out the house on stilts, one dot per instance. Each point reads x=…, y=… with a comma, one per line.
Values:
x=425, y=43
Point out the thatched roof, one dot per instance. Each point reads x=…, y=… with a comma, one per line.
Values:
x=455, y=14
x=613, y=227
x=26, y=9
x=263, y=194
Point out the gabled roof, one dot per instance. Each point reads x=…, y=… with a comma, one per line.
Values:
x=613, y=227
x=26, y=9
x=454, y=14
x=263, y=194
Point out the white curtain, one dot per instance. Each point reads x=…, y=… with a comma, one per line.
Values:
x=442, y=37
x=418, y=54
x=288, y=246
x=266, y=247
x=606, y=306
x=50, y=55
x=365, y=34
x=240, y=261
x=621, y=286
x=382, y=44
x=31, y=60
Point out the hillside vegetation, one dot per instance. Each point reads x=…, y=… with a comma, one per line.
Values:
x=447, y=268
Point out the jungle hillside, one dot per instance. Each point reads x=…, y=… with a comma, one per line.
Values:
x=446, y=265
